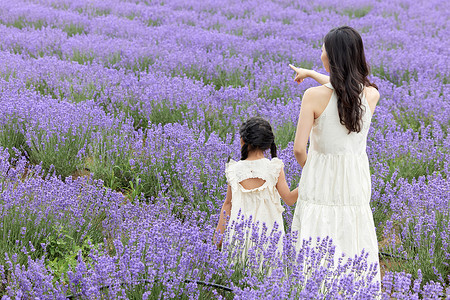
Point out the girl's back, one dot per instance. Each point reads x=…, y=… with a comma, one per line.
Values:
x=261, y=202
x=255, y=186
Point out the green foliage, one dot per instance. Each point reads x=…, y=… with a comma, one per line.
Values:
x=21, y=23
x=162, y=113
x=397, y=78
x=12, y=135
x=272, y=92
x=90, y=91
x=102, y=12
x=22, y=229
x=113, y=60
x=415, y=120
x=221, y=78
x=131, y=16
x=17, y=49
x=285, y=134
x=215, y=26
x=82, y=58
x=357, y=12
x=445, y=78
x=137, y=291
x=18, y=23
x=218, y=122
x=204, y=117
x=60, y=151
x=365, y=29
x=63, y=6
x=123, y=174
x=321, y=8
x=43, y=88
x=9, y=74
x=74, y=29
x=235, y=78
x=136, y=188
x=424, y=247
x=63, y=253
x=58, y=244
x=27, y=230
x=142, y=64
x=108, y=165
x=411, y=167
x=39, y=24
x=154, y=22
x=381, y=213
x=287, y=21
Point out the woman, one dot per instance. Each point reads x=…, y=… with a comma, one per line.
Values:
x=335, y=187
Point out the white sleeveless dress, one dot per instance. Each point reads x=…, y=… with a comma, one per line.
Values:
x=335, y=186
x=262, y=204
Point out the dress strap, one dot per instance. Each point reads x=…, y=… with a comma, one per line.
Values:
x=328, y=85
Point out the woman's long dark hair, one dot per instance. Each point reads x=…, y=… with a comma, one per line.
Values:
x=257, y=134
x=348, y=73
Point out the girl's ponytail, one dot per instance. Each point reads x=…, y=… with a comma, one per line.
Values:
x=273, y=149
x=244, y=152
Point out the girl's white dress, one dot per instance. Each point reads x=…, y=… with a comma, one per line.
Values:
x=262, y=204
x=335, y=186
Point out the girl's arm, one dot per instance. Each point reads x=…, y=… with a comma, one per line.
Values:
x=304, y=73
x=289, y=197
x=224, y=216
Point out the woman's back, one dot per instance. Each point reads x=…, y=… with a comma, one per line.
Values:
x=337, y=169
x=328, y=136
x=335, y=186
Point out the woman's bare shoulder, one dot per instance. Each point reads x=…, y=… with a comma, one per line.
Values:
x=372, y=94
x=317, y=98
x=320, y=92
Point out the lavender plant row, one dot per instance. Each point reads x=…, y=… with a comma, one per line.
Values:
x=136, y=250
x=148, y=96
x=148, y=100
x=141, y=251
x=128, y=43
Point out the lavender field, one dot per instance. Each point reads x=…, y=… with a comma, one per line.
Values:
x=117, y=119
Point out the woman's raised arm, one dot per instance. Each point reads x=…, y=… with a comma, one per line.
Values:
x=303, y=73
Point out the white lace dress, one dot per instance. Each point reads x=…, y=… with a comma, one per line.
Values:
x=262, y=204
x=335, y=186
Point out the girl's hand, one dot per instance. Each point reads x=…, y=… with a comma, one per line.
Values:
x=301, y=73
x=217, y=241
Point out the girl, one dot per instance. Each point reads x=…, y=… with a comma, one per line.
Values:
x=255, y=183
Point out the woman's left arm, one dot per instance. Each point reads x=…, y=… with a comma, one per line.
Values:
x=304, y=125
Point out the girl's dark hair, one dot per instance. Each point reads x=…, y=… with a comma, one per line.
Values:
x=257, y=134
x=348, y=73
